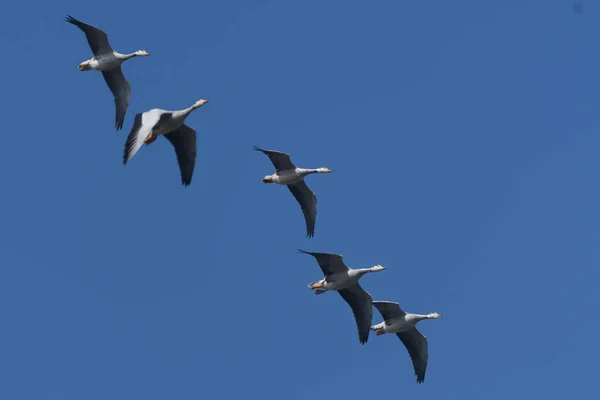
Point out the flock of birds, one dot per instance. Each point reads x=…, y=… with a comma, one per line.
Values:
x=148, y=126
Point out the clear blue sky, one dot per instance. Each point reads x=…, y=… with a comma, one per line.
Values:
x=463, y=136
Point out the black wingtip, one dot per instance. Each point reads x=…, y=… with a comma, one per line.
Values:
x=257, y=148
x=71, y=20
x=119, y=122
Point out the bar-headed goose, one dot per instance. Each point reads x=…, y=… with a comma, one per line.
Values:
x=148, y=126
x=288, y=174
x=403, y=325
x=109, y=62
x=344, y=280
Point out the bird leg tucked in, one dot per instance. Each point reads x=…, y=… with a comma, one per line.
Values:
x=380, y=332
x=320, y=291
x=151, y=138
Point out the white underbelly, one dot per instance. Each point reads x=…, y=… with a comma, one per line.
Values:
x=288, y=178
x=339, y=283
x=104, y=64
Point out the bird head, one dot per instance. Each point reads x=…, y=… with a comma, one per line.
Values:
x=142, y=53
x=435, y=315
x=378, y=268
x=324, y=170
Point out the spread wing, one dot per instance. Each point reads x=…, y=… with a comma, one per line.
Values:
x=360, y=302
x=330, y=263
x=416, y=344
x=280, y=160
x=308, y=203
x=183, y=140
x=121, y=91
x=388, y=309
x=142, y=126
x=96, y=38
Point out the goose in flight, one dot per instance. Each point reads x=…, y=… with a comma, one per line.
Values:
x=109, y=62
x=288, y=174
x=150, y=125
x=403, y=325
x=344, y=280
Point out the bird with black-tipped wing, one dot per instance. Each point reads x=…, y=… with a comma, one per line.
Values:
x=395, y=320
x=148, y=126
x=109, y=63
x=344, y=280
x=293, y=177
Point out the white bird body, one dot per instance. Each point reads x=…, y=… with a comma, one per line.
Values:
x=291, y=176
x=107, y=62
x=345, y=279
x=340, y=281
x=174, y=122
x=403, y=324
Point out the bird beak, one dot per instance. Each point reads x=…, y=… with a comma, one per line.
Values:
x=383, y=268
x=146, y=53
x=203, y=102
x=328, y=170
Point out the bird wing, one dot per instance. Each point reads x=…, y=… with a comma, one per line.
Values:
x=184, y=141
x=142, y=126
x=330, y=263
x=280, y=160
x=308, y=202
x=96, y=38
x=389, y=309
x=360, y=302
x=416, y=344
x=121, y=90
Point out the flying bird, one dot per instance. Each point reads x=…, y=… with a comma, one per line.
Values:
x=344, y=280
x=288, y=174
x=109, y=62
x=403, y=325
x=148, y=126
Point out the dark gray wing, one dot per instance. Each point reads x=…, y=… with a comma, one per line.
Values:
x=389, y=309
x=184, y=141
x=329, y=263
x=280, y=160
x=121, y=90
x=416, y=344
x=360, y=302
x=96, y=38
x=308, y=202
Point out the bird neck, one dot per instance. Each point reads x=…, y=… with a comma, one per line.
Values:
x=124, y=57
x=307, y=171
x=362, y=271
x=183, y=113
x=420, y=317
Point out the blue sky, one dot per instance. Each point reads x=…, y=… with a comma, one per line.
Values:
x=463, y=136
